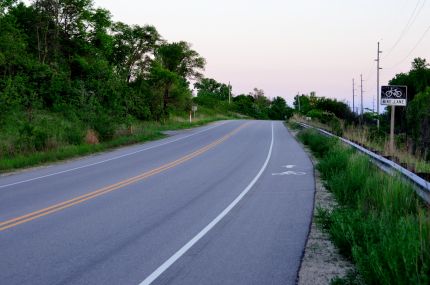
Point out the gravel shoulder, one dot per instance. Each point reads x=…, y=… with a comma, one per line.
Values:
x=321, y=260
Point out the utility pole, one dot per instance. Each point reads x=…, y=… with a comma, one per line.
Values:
x=361, y=92
x=353, y=95
x=377, y=83
x=229, y=93
x=298, y=99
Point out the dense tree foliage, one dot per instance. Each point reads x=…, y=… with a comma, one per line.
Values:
x=311, y=105
x=326, y=110
x=413, y=120
x=279, y=109
x=215, y=95
x=67, y=54
x=418, y=114
x=417, y=80
x=66, y=65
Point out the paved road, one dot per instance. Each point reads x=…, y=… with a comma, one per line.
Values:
x=228, y=203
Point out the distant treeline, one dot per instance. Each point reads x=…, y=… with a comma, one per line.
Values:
x=69, y=62
x=255, y=104
x=328, y=111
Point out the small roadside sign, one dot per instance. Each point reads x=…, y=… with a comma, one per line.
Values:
x=194, y=108
x=394, y=95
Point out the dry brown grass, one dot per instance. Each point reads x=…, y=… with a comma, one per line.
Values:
x=91, y=137
x=361, y=135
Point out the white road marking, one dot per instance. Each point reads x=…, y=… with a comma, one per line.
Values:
x=169, y=262
x=289, y=172
x=110, y=159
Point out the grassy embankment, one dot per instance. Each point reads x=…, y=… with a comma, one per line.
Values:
x=377, y=142
x=51, y=137
x=380, y=224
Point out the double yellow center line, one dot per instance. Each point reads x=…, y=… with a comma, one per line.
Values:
x=77, y=200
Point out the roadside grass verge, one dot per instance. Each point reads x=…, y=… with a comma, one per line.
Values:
x=380, y=224
x=294, y=125
x=142, y=132
x=376, y=141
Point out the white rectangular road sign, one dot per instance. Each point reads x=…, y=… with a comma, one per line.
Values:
x=396, y=102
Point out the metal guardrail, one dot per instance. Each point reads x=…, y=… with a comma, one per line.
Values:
x=422, y=187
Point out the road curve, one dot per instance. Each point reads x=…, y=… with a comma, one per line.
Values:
x=228, y=203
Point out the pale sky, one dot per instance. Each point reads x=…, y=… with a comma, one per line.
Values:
x=285, y=47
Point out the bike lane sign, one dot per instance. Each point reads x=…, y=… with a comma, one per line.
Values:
x=394, y=95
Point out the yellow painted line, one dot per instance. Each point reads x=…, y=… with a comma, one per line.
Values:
x=77, y=200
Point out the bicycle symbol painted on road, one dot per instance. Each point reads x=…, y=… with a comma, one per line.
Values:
x=289, y=172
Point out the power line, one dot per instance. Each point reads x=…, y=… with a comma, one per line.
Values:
x=413, y=49
x=412, y=18
x=369, y=74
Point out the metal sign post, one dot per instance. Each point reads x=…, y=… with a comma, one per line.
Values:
x=393, y=109
x=393, y=95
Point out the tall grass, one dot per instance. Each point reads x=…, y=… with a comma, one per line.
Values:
x=294, y=125
x=63, y=139
x=377, y=141
x=381, y=224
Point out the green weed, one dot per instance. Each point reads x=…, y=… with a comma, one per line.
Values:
x=50, y=137
x=380, y=224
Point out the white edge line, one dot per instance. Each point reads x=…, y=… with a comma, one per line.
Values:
x=110, y=159
x=169, y=262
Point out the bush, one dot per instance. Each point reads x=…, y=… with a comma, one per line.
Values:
x=73, y=135
x=318, y=143
x=104, y=125
x=40, y=138
x=336, y=126
x=315, y=114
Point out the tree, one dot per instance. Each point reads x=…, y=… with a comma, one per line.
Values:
x=101, y=40
x=133, y=49
x=210, y=92
x=173, y=60
x=339, y=109
x=417, y=80
x=261, y=104
x=419, y=64
x=5, y=5
x=418, y=114
x=302, y=104
x=244, y=104
x=279, y=109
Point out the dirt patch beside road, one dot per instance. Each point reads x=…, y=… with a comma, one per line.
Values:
x=321, y=260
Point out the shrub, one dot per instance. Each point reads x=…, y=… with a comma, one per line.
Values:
x=318, y=143
x=73, y=135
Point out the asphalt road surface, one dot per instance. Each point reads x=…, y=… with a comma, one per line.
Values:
x=228, y=203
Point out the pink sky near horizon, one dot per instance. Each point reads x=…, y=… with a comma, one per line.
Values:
x=285, y=47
